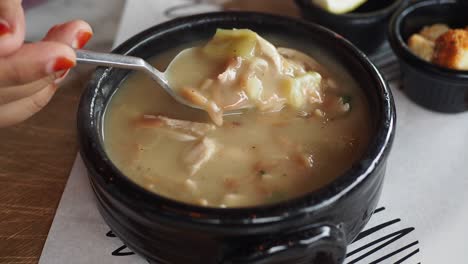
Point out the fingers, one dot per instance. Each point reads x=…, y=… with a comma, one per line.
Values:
x=35, y=61
x=11, y=26
x=74, y=33
x=29, y=73
x=14, y=93
x=22, y=109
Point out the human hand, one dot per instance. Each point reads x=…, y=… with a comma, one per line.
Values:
x=30, y=73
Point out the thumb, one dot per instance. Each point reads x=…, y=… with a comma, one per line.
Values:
x=12, y=26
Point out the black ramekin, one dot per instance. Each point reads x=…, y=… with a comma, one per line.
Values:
x=366, y=27
x=314, y=228
x=434, y=87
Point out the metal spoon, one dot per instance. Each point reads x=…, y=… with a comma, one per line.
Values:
x=135, y=63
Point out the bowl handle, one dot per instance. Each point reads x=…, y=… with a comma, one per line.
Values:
x=323, y=243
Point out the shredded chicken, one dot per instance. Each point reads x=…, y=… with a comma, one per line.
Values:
x=179, y=129
x=194, y=96
x=253, y=73
x=198, y=154
x=273, y=104
x=206, y=84
x=230, y=73
x=306, y=63
x=269, y=51
x=210, y=106
x=257, y=64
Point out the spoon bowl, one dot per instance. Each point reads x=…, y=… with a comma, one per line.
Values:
x=135, y=63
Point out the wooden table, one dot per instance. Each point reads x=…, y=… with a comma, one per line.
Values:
x=35, y=159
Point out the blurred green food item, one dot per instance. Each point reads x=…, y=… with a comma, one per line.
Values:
x=339, y=6
x=232, y=43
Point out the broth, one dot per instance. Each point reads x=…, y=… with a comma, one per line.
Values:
x=254, y=158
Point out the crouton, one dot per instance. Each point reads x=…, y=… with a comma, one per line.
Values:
x=434, y=31
x=451, y=50
x=421, y=47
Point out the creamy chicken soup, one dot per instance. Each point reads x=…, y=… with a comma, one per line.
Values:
x=316, y=127
x=238, y=69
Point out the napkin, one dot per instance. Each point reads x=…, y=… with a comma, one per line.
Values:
x=422, y=216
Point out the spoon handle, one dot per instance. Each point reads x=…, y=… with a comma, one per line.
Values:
x=109, y=60
x=120, y=61
x=135, y=63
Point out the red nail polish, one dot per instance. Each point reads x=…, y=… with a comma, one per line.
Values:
x=62, y=64
x=82, y=38
x=62, y=74
x=4, y=28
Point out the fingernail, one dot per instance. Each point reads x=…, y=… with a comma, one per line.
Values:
x=81, y=39
x=4, y=27
x=60, y=76
x=61, y=64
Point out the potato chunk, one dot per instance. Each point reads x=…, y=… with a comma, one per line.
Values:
x=254, y=88
x=232, y=43
x=303, y=89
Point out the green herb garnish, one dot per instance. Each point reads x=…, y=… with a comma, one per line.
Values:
x=346, y=99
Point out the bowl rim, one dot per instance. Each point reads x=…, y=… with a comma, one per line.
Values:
x=402, y=50
x=374, y=156
x=351, y=15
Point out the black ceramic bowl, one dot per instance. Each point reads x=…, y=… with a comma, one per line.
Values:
x=434, y=87
x=366, y=26
x=314, y=228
